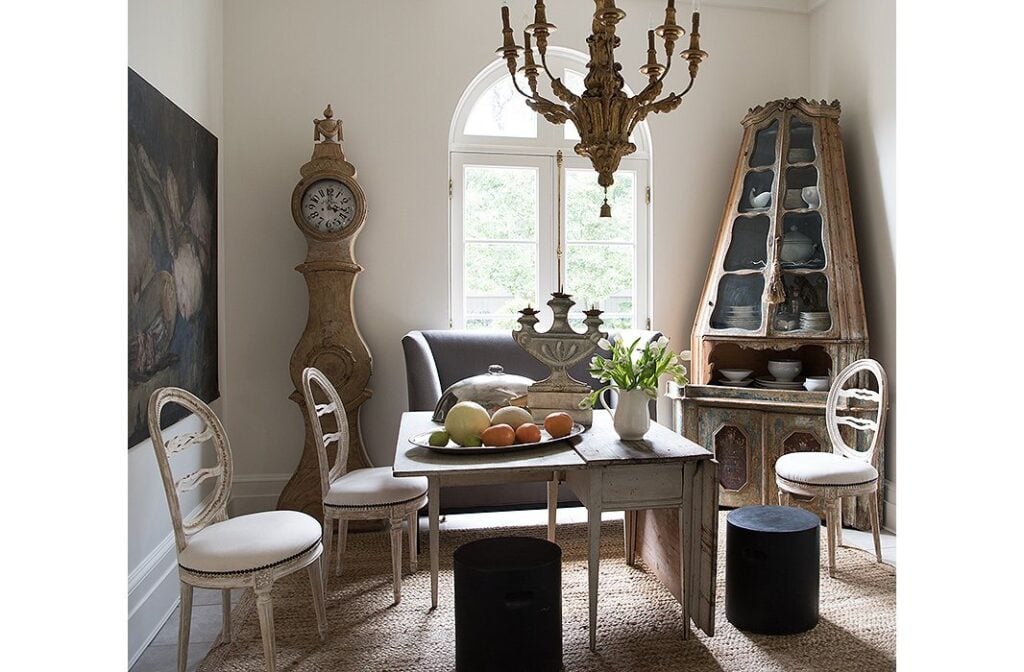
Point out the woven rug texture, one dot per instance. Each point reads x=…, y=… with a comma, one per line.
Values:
x=639, y=623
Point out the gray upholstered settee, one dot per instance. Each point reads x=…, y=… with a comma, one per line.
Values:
x=435, y=359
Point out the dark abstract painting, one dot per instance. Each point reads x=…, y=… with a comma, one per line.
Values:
x=172, y=254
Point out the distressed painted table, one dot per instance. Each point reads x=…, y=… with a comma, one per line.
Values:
x=664, y=470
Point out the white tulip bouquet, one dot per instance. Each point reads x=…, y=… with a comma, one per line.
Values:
x=632, y=369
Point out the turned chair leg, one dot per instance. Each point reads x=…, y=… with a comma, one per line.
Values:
x=265, y=609
x=876, y=525
x=184, y=625
x=327, y=539
x=316, y=581
x=830, y=527
x=396, y=556
x=839, y=521
x=225, y=605
x=342, y=538
x=413, y=541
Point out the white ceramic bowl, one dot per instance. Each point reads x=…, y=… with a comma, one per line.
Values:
x=735, y=375
x=816, y=383
x=784, y=370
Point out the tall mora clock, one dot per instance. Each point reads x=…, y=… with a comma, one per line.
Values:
x=329, y=207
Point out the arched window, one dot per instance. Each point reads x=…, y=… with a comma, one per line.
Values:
x=524, y=210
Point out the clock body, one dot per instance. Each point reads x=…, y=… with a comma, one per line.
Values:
x=329, y=208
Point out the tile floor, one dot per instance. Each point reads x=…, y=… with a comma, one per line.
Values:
x=162, y=653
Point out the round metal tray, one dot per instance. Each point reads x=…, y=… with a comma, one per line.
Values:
x=422, y=440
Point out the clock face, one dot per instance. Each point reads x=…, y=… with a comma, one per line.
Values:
x=328, y=206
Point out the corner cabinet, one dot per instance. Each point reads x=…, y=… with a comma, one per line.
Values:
x=784, y=283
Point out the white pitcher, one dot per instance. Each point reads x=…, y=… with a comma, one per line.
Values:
x=631, y=416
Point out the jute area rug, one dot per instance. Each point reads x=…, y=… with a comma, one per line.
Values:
x=639, y=624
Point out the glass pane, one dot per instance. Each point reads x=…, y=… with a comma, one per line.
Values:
x=602, y=276
x=574, y=82
x=583, y=199
x=802, y=188
x=757, y=191
x=764, y=146
x=748, y=248
x=499, y=203
x=801, y=241
x=501, y=111
x=801, y=141
x=739, y=302
x=806, y=305
x=499, y=280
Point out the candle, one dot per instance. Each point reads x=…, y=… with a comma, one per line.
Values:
x=504, y=18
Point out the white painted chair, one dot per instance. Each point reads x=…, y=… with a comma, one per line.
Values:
x=846, y=471
x=222, y=553
x=362, y=494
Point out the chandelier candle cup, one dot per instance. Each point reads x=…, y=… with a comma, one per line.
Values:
x=604, y=115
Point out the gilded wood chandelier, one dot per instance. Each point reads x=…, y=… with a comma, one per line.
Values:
x=603, y=114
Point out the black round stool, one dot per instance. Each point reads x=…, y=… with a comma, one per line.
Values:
x=508, y=606
x=771, y=569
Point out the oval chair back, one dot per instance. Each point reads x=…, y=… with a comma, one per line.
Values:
x=316, y=385
x=859, y=398
x=212, y=431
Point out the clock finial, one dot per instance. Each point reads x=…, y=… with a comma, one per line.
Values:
x=327, y=129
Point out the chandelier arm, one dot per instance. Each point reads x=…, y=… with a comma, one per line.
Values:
x=649, y=90
x=561, y=91
x=538, y=99
x=666, y=104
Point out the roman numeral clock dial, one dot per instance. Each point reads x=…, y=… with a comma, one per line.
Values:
x=329, y=209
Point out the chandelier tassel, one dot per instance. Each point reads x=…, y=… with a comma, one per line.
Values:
x=606, y=210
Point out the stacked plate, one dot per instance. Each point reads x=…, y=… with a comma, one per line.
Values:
x=773, y=384
x=815, y=321
x=742, y=317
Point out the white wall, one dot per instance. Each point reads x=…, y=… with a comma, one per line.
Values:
x=853, y=58
x=394, y=72
x=176, y=47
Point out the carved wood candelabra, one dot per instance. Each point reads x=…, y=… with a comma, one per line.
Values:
x=559, y=348
x=604, y=114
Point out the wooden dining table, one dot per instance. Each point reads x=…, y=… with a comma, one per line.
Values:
x=662, y=471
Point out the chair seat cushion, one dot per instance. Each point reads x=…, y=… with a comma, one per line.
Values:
x=375, y=486
x=824, y=469
x=251, y=542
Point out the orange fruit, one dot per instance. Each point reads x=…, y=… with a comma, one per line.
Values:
x=498, y=435
x=558, y=424
x=527, y=433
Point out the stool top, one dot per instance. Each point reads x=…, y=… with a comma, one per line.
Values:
x=773, y=519
x=502, y=554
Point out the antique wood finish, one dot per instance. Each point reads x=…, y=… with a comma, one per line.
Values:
x=863, y=413
x=260, y=580
x=331, y=341
x=315, y=384
x=765, y=160
x=607, y=474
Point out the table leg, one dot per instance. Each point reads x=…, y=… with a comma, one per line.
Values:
x=434, y=507
x=629, y=532
x=688, y=516
x=594, y=554
x=552, y=505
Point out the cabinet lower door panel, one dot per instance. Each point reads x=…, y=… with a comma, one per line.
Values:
x=735, y=437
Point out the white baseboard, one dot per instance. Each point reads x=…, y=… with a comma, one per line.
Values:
x=256, y=492
x=153, y=593
x=889, y=506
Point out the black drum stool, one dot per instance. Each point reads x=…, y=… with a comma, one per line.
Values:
x=508, y=606
x=771, y=569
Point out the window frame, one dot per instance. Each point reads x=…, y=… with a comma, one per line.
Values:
x=541, y=152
